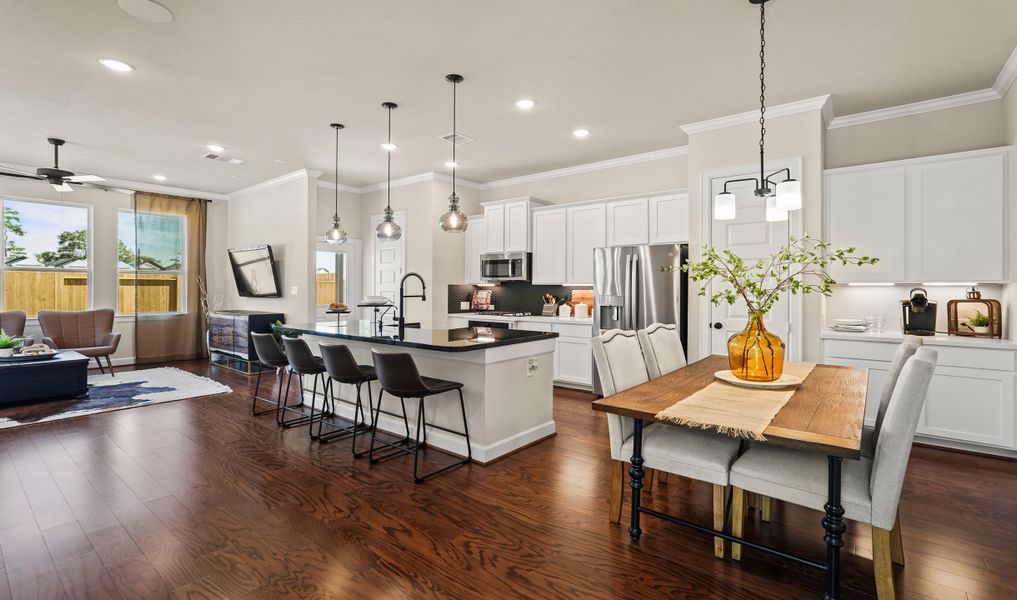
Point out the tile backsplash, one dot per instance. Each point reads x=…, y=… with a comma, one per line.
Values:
x=858, y=302
x=511, y=296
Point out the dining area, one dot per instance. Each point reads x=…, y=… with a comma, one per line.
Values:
x=758, y=446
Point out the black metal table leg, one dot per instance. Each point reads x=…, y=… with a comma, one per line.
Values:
x=636, y=478
x=834, y=525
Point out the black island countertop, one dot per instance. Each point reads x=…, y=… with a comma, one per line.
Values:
x=465, y=339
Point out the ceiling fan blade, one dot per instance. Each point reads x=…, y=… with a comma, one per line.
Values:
x=23, y=176
x=20, y=171
x=63, y=187
x=83, y=178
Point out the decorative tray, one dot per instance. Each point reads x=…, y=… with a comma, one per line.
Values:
x=30, y=358
x=783, y=382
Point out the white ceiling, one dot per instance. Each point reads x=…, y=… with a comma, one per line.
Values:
x=265, y=78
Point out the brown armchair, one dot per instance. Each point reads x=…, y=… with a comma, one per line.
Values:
x=88, y=332
x=13, y=323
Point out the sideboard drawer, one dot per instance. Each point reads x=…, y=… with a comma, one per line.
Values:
x=976, y=358
x=860, y=350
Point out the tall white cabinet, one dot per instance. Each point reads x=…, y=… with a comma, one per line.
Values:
x=585, y=229
x=550, y=249
x=939, y=218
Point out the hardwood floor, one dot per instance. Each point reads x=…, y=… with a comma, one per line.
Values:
x=198, y=499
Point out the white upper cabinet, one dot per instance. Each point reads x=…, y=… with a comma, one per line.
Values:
x=957, y=213
x=866, y=209
x=585, y=230
x=476, y=244
x=549, y=255
x=494, y=218
x=508, y=224
x=628, y=222
x=941, y=218
x=669, y=219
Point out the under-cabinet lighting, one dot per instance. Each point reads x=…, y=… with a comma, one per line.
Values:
x=874, y=284
x=953, y=283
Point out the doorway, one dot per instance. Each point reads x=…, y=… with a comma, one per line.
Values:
x=337, y=275
x=751, y=237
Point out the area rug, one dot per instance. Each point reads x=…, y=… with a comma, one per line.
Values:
x=128, y=389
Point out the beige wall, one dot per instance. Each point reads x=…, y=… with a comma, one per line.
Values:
x=1009, y=296
x=799, y=135
x=284, y=217
x=958, y=129
x=103, y=250
x=646, y=177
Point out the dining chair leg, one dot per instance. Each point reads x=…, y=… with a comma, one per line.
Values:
x=662, y=477
x=109, y=365
x=882, y=564
x=896, y=543
x=767, y=502
x=737, y=520
x=99, y=362
x=648, y=479
x=617, y=490
x=719, y=492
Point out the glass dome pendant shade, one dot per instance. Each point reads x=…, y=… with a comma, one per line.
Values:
x=453, y=221
x=388, y=230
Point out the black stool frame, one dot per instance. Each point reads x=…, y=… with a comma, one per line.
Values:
x=359, y=424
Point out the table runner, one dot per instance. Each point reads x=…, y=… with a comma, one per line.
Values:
x=733, y=410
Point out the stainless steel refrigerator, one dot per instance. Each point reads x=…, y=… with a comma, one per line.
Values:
x=631, y=291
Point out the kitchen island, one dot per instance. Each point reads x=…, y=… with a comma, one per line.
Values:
x=507, y=377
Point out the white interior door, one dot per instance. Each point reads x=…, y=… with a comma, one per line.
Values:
x=751, y=237
x=389, y=259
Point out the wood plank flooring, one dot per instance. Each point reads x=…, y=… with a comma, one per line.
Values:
x=198, y=499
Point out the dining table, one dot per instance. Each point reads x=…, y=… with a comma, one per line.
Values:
x=823, y=415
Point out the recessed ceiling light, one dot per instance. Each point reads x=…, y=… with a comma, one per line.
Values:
x=116, y=65
x=581, y=133
x=525, y=104
x=388, y=147
x=216, y=148
x=451, y=164
x=280, y=161
x=236, y=161
x=159, y=177
x=146, y=10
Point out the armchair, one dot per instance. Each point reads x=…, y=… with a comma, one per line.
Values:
x=87, y=332
x=13, y=323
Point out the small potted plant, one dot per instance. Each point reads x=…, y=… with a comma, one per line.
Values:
x=8, y=344
x=979, y=323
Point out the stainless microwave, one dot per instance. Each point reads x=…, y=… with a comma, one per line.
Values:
x=505, y=266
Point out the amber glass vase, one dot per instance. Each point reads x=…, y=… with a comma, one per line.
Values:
x=754, y=353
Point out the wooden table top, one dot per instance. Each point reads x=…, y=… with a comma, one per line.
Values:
x=824, y=414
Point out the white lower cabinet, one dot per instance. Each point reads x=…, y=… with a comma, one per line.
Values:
x=573, y=355
x=971, y=398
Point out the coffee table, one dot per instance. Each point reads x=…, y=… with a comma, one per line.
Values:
x=59, y=378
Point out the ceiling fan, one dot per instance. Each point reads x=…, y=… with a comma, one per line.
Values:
x=59, y=178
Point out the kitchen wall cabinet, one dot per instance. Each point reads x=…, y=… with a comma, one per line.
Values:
x=508, y=224
x=940, y=218
x=549, y=246
x=628, y=222
x=585, y=229
x=972, y=397
x=668, y=219
x=476, y=244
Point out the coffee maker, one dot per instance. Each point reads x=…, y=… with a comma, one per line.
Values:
x=918, y=313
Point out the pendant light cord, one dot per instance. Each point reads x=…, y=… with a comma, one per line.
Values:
x=388, y=176
x=454, y=84
x=762, y=90
x=337, y=172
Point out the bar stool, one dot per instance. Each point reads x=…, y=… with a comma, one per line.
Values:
x=343, y=368
x=301, y=362
x=398, y=375
x=269, y=356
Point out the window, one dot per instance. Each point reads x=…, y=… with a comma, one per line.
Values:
x=150, y=261
x=45, y=256
x=330, y=277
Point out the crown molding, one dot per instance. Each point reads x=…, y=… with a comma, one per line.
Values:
x=1007, y=75
x=820, y=103
x=420, y=177
x=270, y=183
x=588, y=167
x=917, y=108
x=342, y=187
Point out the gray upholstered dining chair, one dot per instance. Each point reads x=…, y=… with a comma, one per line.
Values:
x=870, y=487
x=662, y=349
x=903, y=352
x=691, y=453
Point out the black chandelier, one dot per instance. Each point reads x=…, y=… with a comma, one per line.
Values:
x=781, y=196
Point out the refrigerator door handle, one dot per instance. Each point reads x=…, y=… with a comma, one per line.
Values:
x=634, y=293
x=627, y=291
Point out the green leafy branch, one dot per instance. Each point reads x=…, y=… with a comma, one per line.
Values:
x=760, y=283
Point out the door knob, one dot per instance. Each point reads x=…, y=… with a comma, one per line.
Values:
x=718, y=325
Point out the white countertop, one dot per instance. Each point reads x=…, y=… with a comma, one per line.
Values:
x=940, y=339
x=531, y=318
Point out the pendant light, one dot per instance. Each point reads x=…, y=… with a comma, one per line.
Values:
x=388, y=229
x=782, y=196
x=453, y=221
x=336, y=234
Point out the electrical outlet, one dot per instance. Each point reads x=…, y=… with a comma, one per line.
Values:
x=464, y=306
x=294, y=291
x=531, y=367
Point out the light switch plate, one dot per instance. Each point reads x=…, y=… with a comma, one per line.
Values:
x=293, y=291
x=464, y=306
